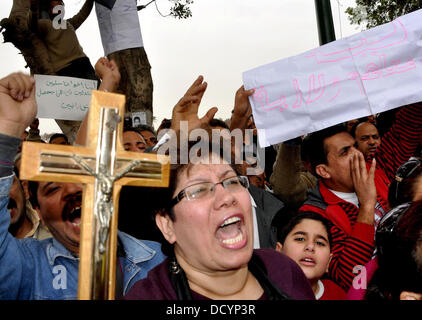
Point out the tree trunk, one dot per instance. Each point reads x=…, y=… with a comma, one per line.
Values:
x=136, y=81
x=16, y=29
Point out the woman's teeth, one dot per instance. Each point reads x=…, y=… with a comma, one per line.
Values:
x=234, y=240
x=229, y=221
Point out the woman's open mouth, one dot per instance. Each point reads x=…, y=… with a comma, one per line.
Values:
x=231, y=232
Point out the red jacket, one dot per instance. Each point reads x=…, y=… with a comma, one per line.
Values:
x=332, y=291
x=353, y=242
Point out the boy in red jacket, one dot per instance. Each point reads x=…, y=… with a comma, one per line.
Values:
x=307, y=240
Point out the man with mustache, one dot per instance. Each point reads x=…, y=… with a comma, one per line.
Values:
x=48, y=269
x=367, y=138
x=24, y=220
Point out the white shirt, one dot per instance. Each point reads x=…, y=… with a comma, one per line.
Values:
x=347, y=196
x=119, y=27
x=353, y=198
x=320, y=290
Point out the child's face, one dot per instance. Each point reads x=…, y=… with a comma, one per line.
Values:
x=307, y=244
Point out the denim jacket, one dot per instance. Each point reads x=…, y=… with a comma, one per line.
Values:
x=33, y=269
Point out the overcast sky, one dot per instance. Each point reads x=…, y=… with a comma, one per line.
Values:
x=223, y=39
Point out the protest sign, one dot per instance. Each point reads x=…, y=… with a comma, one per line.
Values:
x=64, y=98
x=367, y=73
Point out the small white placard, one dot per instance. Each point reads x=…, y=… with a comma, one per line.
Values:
x=64, y=98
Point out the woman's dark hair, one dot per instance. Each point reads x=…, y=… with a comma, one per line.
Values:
x=162, y=197
x=399, y=251
x=296, y=219
x=402, y=188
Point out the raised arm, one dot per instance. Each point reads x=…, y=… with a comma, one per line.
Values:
x=110, y=78
x=290, y=183
x=17, y=104
x=242, y=109
x=187, y=108
x=79, y=18
x=17, y=110
x=401, y=141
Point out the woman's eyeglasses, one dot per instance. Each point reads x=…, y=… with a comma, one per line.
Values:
x=206, y=189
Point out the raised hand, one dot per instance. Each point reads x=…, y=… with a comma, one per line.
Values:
x=110, y=77
x=364, y=184
x=109, y=74
x=18, y=107
x=187, y=108
x=242, y=109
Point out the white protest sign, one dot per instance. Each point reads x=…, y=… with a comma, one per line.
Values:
x=64, y=98
x=367, y=73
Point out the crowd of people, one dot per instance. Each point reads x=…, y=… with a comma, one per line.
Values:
x=333, y=215
x=338, y=200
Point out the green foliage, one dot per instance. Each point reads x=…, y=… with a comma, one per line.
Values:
x=371, y=13
x=181, y=9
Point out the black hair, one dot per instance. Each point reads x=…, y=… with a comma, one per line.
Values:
x=304, y=148
x=58, y=135
x=16, y=171
x=314, y=149
x=218, y=123
x=402, y=188
x=165, y=124
x=162, y=197
x=399, y=250
x=133, y=129
x=33, y=189
x=355, y=126
x=297, y=218
x=145, y=127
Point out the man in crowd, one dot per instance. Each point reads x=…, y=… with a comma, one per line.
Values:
x=352, y=198
x=24, y=220
x=148, y=134
x=133, y=140
x=59, y=138
x=28, y=269
x=367, y=138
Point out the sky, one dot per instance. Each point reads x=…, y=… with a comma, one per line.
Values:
x=222, y=39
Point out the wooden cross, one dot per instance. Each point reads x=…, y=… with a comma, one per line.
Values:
x=101, y=167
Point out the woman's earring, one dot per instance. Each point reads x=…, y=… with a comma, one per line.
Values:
x=174, y=266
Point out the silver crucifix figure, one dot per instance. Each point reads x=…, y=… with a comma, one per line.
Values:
x=104, y=180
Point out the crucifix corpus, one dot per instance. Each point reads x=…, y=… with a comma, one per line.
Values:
x=103, y=167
